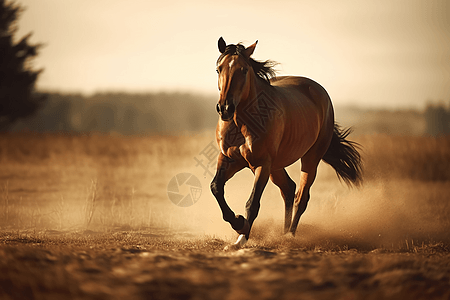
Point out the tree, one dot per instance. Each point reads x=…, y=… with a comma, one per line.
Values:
x=437, y=117
x=17, y=78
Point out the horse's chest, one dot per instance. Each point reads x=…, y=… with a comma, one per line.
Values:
x=229, y=139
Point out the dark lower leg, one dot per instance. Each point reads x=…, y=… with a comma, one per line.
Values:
x=227, y=213
x=299, y=209
x=288, y=206
x=307, y=177
x=287, y=217
x=253, y=204
x=287, y=187
x=226, y=168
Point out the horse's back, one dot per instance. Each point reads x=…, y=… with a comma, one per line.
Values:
x=302, y=92
x=310, y=88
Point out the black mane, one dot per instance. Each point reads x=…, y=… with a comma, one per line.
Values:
x=263, y=69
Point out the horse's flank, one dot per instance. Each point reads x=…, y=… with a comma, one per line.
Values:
x=307, y=109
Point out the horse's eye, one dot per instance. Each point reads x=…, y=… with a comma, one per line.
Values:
x=244, y=70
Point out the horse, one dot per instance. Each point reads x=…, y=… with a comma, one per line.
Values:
x=268, y=122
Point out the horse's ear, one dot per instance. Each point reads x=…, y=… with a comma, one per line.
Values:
x=249, y=50
x=222, y=45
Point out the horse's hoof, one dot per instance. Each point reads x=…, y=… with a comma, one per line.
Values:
x=289, y=235
x=246, y=228
x=230, y=248
x=238, y=245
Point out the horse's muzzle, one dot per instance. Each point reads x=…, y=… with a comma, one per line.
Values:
x=226, y=112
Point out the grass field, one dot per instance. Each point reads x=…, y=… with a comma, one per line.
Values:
x=93, y=212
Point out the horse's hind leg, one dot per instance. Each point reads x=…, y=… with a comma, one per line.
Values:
x=287, y=187
x=309, y=162
x=307, y=177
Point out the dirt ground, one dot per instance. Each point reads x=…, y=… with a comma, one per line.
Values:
x=89, y=217
x=127, y=265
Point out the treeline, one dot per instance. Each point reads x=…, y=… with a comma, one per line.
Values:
x=437, y=118
x=174, y=113
x=122, y=113
x=433, y=120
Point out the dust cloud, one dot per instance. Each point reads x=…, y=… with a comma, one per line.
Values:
x=104, y=183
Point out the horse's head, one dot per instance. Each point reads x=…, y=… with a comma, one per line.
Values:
x=233, y=67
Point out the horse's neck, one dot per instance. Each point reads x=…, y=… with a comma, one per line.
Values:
x=248, y=110
x=255, y=88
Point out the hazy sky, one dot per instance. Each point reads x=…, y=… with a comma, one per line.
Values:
x=376, y=53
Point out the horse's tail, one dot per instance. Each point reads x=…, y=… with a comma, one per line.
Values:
x=344, y=157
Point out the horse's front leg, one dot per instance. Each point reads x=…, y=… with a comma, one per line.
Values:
x=226, y=168
x=253, y=204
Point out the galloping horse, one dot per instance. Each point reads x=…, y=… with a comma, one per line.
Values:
x=267, y=123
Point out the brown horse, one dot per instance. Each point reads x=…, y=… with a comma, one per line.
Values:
x=267, y=123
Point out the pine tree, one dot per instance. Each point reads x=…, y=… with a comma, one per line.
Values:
x=17, y=78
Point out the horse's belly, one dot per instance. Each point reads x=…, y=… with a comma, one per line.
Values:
x=297, y=140
x=289, y=156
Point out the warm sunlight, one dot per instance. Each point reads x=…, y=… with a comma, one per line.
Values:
x=163, y=153
x=376, y=54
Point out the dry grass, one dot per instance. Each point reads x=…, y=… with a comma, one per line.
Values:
x=402, y=157
x=89, y=180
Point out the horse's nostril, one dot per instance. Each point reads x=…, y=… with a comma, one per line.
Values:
x=218, y=108
x=230, y=109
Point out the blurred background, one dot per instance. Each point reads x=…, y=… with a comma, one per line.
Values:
x=147, y=67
